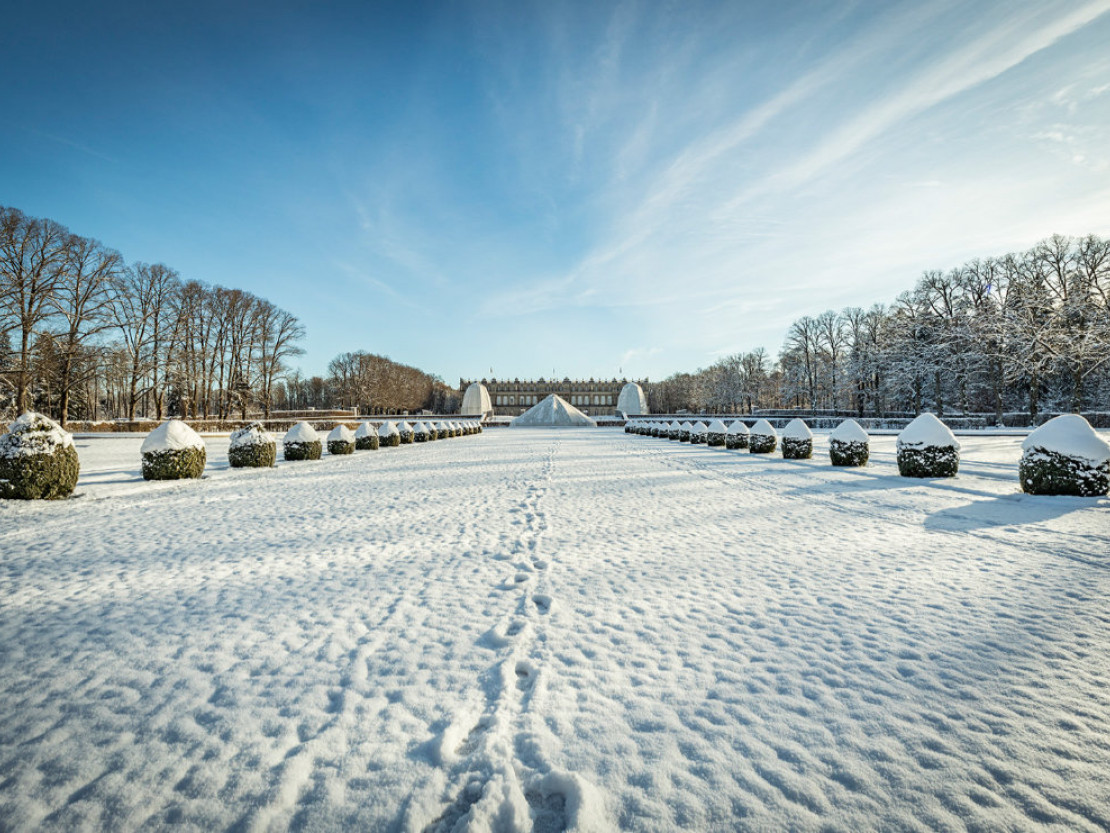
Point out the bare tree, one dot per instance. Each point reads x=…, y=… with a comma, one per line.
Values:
x=32, y=260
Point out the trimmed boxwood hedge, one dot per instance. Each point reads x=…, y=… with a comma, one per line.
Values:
x=37, y=460
x=848, y=453
x=1044, y=472
x=368, y=442
x=303, y=450
x=174, y=464
x=794, y=448
x=928, y=461
x=340, y=447
x=762, y=443
x=252, y=447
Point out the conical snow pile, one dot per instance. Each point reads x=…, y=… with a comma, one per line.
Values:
x=388, y=435
x=553, y=411
x=341, y=440
x=420, y=433
x=252, y=447
x=684, y=432
x=849, y=445
x=301, y=442
x=37, y=460
x=674, y=430
x=715, y=436
x=926, y=448
x=737, y=436
x=763, y=438
x=797, y=441
x=1065, y=457
x=173, y=451
x=366, y=437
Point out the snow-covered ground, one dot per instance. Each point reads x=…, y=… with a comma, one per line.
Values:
x=555, y=629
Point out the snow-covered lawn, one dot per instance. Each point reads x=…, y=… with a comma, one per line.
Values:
x=555, y=629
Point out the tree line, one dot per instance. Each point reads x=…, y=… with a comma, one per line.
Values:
x=84, y=335
x=1028, y=331
x=371, y=384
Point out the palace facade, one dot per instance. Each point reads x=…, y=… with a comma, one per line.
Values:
x=512, y=398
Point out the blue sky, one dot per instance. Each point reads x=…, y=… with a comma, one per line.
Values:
x=578, y=188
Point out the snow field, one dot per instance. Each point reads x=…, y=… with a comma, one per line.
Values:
x=555, y=629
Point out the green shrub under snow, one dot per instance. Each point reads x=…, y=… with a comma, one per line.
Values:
x=737, y=436
x=366, y=437
x=763, y=439
x=173, y=451
x=252, y=447
x=341, y=440
x=1065, y=457
x=406, y=432
x=797, y=441
x=926, y=448
x=301, y=442
x=421, y=433
x=849, y=445
x=388, y=435
x=37, y=460
x=849, y=452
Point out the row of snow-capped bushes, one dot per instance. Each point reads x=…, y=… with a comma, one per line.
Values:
x=1062, y=457
x=38, y=459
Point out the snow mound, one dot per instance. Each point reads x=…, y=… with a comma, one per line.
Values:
x=365, y=429
x=927, y=432
x=717, y=427
x=172, y=435
x=764, y=429
x=31, y=434
x=553, y=410
x=738, y=427
x=341, y=434
x=476, y=401
x=302, y=432
x=796, y=429
x=387, y=428
x=250, y=435
x=1070, y=435
x=632, y=400
x=849, y=431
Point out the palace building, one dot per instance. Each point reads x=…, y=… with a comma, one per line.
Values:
x=512, y=398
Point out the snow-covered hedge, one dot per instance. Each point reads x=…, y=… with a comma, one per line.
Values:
x=301, y=442
x=673, y=430
x=407, y=433
x=252, y=447
x=37, y=460
x=684, y=432
x=926, y=448
x=341, y=440
x=762, y=439
x=699, y=433
x=420, y=433
x=443, y=430
x=737, y=436
x=657, y=429
x=366, y=437
x=849, y=444
x=797, y=441
x=388, y=435
x=716, y=434
x=173, y=451
x=1065, y=457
